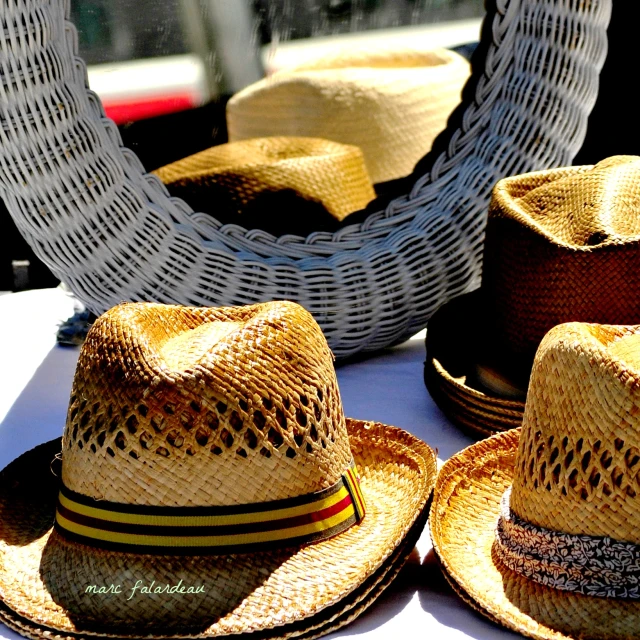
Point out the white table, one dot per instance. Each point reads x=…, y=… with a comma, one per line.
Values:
x=36, y=376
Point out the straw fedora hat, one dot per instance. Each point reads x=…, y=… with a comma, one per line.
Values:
x=561, y=245
x=278, y=184
x=207, y=485
x=391, y=103
x=538, y=528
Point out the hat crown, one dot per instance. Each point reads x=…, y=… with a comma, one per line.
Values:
x=247, y=172
x=184, y=406
x=391, y=103
x=578, y=463
x=561, y=246
x=577, y=206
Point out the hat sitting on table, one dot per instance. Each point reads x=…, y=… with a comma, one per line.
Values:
x=561, y=245
x=391, y=103
x=539, y=528
x=209, y=485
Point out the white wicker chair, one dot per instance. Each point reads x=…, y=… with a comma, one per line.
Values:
x=112, y=233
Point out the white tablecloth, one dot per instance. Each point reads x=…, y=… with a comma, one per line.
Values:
x=36, y=376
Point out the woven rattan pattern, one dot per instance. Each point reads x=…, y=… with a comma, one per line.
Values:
x=112, y=233
x=579, y=456
x=320, y=170
x=562, y=246
x=199, y=406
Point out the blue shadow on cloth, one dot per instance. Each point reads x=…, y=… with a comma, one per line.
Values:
x=40, y=411
x=441, y=602
x=388, y=387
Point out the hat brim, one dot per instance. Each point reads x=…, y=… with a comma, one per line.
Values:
x=330, y=619
x=303, y=591
x=464, y=513
x=452, y=345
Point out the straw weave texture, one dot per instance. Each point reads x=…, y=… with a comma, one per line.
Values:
x=580, y=434
x=113, y=233
x=179, y=407
x=319, y=170
x=329, y=619
x=463, y=518
x=41, y=572
x=562, y=246
x=391, y=104
x=184, y=406
x=573, y=468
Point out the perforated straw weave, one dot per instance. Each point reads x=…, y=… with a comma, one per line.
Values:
x=573, y=469
x=186, y=429
x=244, y=399
x=112, y=233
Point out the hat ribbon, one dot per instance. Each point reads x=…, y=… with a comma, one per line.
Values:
x=590, y=565
x=212, y=530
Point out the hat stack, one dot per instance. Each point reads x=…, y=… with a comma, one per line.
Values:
x=538, y=528
x=207, y=484
x=561, y=245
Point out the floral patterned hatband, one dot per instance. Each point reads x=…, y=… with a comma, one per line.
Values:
x=590, y=565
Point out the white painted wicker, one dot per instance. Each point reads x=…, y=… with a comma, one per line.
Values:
x=112, y=232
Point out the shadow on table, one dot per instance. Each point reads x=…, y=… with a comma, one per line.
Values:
x=40, y=411
x=436, y=598
x=441, y=602
x=388, y=387
x=392, y=601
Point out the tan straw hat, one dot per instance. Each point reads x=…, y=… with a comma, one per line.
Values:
x=209, y=485
x=391, y=103
x=561, y=245
x=250, y=176
x=539, y=528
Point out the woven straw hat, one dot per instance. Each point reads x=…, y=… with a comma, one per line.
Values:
x=390, y=103
x=539, y=528
x=561, y=245
x=206, y=449
x=246, y=175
